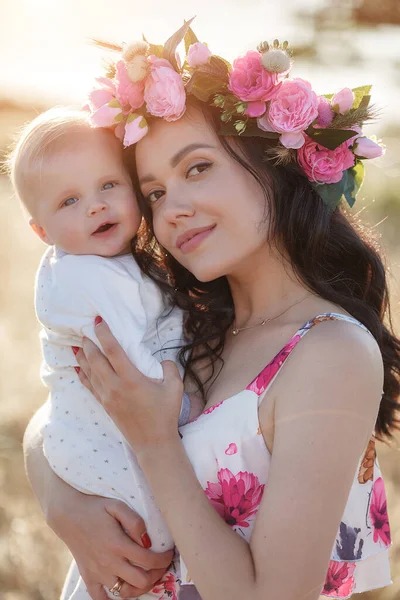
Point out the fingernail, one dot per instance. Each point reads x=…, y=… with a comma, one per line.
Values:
x=146, y=541
x=98, y=320
x=75, y=349
x=77, y=369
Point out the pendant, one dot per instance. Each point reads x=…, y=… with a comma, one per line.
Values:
x=235, y=331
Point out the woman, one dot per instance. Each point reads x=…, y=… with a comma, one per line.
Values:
x=260, y=262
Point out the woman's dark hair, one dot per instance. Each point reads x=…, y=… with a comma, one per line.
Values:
x=331, y=253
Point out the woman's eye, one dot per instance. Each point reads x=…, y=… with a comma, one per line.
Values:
x=197, y=169
x=69, y=201
x=154, y=196
x=109, y=185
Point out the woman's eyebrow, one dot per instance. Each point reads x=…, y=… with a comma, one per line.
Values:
x=176, y=159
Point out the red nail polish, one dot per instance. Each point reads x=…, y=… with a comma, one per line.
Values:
x=75, y=349
x=146, y=541
x=77, y=369
x=98, y=320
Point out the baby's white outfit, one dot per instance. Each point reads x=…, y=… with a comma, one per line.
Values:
x=81, y=442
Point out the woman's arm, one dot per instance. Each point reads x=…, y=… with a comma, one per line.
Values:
x=325, y=410
x=103, y=535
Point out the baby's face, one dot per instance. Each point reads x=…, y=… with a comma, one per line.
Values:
x=81, y=198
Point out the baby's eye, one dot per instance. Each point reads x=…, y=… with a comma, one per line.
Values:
x=109, y=185
x=197, y=169
x=69, y=201
x=154, y=196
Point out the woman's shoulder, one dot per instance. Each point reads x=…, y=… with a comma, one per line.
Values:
x=337, y=362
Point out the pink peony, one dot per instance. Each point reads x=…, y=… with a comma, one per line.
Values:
x=164, y=92
x=325, y=112
x=135, y=129
x=102, y=95
x=249, y=81
x=128, y=93
x=198, y=54
x=167, y=587
x=236, y=498
x=378, y=513
x=339, y=582
x=105, y=116
x=256, y=109
x=322, y=165
x=344, y=100
x=367, y=148
x=292, y=109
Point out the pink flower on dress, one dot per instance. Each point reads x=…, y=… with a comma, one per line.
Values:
x=164, y=91
x=198, y=54
x=129, y=94
x=292, y=109
x=236, y=498
x=339, y=581
x=378, y=513
x=250, y=81
x=261, y=382
x=167, y=587
x=231, y=449
x=322, y=165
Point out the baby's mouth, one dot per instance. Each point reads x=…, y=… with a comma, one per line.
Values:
x=104, y=227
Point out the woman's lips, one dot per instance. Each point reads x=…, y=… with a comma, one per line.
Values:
x=192, y=239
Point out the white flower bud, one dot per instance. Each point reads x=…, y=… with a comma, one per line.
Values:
x=276, y=61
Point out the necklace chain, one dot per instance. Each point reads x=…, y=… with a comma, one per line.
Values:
x=237, y=330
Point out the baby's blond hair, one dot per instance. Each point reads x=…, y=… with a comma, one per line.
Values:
x=35, y=141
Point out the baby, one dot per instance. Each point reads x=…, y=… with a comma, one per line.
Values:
x=73, y=182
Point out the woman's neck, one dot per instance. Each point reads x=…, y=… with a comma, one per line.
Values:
x=264, y=288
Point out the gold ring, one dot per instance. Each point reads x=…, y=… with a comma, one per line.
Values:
x=116, y=588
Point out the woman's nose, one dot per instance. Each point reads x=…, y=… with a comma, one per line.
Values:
x=178, y=208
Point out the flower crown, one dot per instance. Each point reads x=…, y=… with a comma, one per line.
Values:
x=255, y=97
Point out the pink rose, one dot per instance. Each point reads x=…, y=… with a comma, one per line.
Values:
x=129, y=94
x=292, y=109
x=344, y=100
x=103, y=94
x=249, y=81
x=198, y=54
x=255, y=109
x=367, y=148
x=325, y=113
x=164, y=92
x=322, y=165
x=135, y=129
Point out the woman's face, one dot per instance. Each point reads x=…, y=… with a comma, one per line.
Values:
x=206, y=207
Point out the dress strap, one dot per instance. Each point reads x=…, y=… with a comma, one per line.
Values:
x=264, y=379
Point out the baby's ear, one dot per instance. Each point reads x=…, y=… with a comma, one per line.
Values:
x=40, y=232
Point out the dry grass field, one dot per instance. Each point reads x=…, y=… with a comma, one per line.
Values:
x=32, y=560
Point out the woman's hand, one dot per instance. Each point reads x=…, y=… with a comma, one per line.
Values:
x=145, y=410
x=105, y=536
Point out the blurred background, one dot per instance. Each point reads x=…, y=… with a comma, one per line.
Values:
x=46, y=59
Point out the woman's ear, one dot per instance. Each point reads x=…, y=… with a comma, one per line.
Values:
x=40, y=232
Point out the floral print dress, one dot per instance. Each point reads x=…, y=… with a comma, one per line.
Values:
x=233, y=466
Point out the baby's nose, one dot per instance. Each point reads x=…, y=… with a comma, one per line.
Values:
x=96, y=207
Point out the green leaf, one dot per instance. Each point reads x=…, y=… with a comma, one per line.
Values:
x=359, y=93
x=202, y=85
x=331, y=193
x=365, y=101
x=216, y=67
x=114, y=104
x=190, y=38
x=353, y=182
x=329, y=96
x=330, y=138
x=347, y=187
x=173, y=42
x=157, y=50
x=252, y=130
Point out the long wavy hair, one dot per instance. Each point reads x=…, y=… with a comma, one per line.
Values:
x=331, y=253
